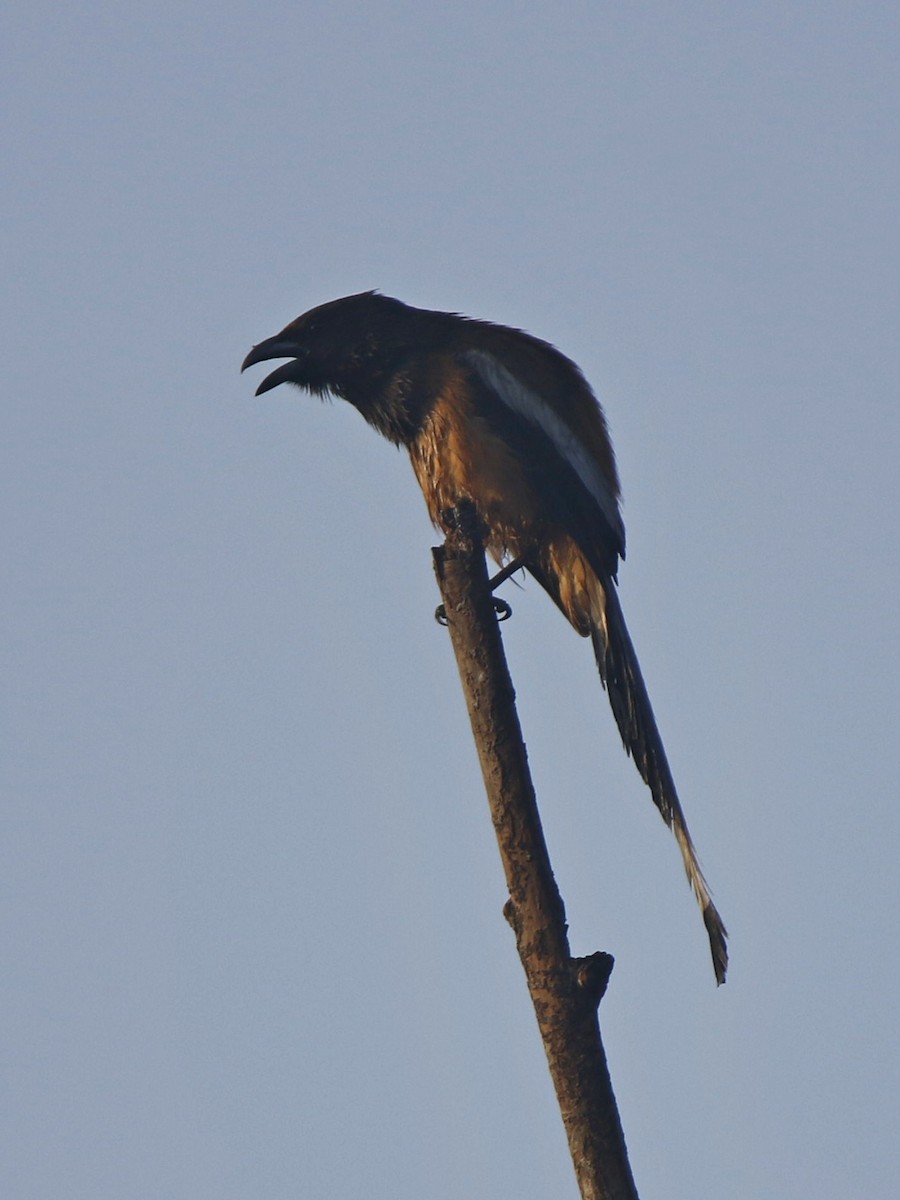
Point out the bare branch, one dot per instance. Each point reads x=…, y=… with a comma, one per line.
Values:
x=565, y=991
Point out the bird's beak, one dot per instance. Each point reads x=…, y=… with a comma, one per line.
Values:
x=274, y=347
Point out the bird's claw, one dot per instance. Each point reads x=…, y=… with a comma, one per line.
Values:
x=501, y=609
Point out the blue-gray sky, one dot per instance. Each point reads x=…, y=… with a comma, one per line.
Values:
x=253, y=939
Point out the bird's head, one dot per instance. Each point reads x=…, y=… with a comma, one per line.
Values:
x=338, y=347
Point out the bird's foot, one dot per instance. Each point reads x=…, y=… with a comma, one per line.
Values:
x=501, y=609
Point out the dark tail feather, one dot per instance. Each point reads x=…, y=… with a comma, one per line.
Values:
x=624, y=683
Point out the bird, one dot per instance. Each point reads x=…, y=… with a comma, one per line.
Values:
x=498, y=420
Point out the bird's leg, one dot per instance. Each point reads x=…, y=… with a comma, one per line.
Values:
x=463, y=517
x=504, y=573
x=501, y=608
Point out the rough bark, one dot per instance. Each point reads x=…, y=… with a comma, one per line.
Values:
x=565, y=992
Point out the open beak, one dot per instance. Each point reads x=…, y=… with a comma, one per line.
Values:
x=274, y=347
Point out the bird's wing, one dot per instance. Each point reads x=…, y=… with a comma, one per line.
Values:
x=562, y=468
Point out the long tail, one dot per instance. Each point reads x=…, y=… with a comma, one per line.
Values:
x=624, y=683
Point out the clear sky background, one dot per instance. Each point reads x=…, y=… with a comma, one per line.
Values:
x=253, y=940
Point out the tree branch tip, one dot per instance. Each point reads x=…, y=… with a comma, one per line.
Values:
x=592, y=974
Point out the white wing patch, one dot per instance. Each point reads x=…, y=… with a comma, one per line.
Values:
x=528, y=404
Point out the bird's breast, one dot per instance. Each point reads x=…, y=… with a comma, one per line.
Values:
x=456, y=457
